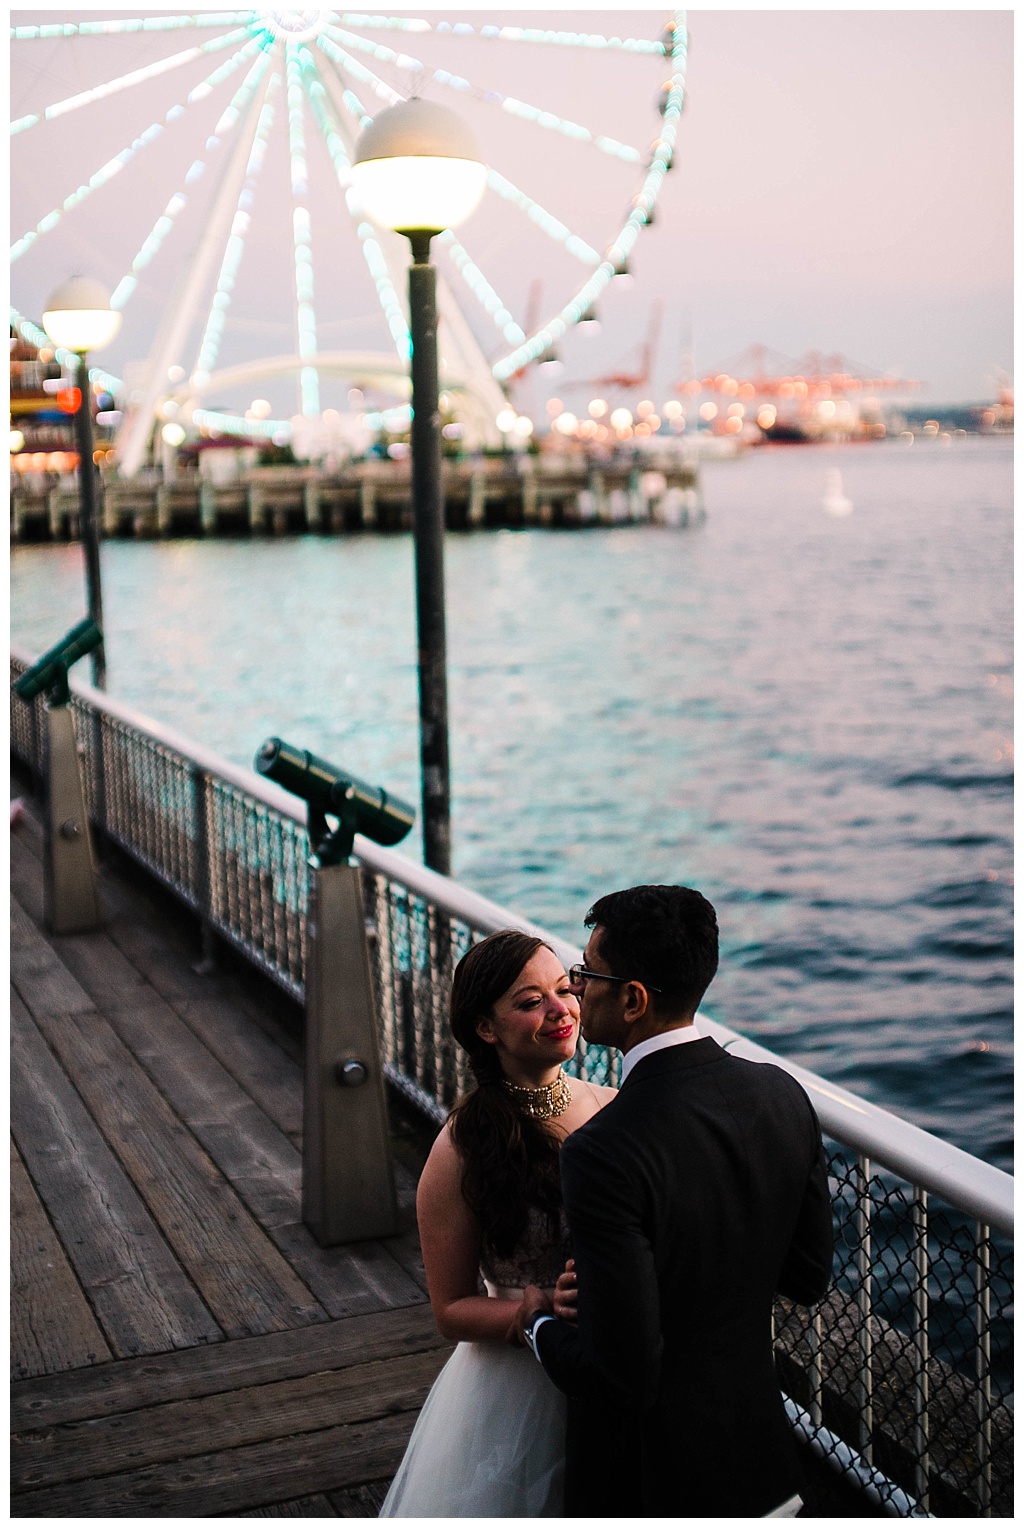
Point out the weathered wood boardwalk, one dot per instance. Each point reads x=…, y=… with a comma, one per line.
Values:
x=181, y=1346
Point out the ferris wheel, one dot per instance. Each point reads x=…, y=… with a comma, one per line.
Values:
x=252, y=116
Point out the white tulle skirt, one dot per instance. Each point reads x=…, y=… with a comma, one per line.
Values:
x=489, y=1442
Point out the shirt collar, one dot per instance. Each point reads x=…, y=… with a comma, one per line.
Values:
x=680, y=1036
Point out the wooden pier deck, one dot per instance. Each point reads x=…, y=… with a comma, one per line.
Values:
x=181, y=1346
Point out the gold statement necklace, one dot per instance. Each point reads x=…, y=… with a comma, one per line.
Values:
x=547, y=1102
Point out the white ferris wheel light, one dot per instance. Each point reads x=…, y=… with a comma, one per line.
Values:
x=295, y=25
x=79, y=317
x=417, y=166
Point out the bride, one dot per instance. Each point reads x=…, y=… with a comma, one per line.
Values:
x=490, y=1439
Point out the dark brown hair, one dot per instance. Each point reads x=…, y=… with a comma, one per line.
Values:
x=510, y=1161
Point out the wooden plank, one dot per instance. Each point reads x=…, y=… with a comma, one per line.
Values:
x=302, y=1506
x=272, y=1077
x=243, y=1278
x=35, y=966
x=360, y=1501
x=201, y=1371
x=26, y=867
x=144, y=1301
x=259, y=1161
x=52, y=1324
x=208, y=1485
x=181, y=1429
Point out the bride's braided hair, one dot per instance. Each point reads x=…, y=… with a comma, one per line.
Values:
x=510, y=1161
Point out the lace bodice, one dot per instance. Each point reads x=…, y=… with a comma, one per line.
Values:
x=536, y=1260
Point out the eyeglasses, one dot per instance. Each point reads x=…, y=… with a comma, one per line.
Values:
x=579, y=975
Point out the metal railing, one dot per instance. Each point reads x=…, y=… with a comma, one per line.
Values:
x=899, y=1380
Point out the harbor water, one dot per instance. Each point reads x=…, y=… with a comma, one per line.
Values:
x=805, y=714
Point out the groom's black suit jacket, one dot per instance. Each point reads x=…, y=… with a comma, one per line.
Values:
x=692, y=1198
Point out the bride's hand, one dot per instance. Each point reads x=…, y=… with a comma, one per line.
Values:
x=534, y=1299
x=565, y=1293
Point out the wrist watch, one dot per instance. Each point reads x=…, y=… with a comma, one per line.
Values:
x=531, y=1327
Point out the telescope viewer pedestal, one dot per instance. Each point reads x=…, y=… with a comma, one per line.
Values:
x=348, y=1187
x=71, y=900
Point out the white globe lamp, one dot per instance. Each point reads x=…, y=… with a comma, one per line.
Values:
x=417, y=167
x=78, y=315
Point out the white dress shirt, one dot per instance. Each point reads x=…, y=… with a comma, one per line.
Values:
x=636, y=1053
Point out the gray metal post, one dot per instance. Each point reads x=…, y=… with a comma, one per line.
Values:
x=90, y=527
x=428, y=534
x=348, y=1185
x=70, y=899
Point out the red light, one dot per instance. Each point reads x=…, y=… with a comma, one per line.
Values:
x=69, y=400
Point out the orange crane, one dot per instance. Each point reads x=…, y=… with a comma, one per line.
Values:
x=628, y=380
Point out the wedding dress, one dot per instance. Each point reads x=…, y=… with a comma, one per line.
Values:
x=490, y=1440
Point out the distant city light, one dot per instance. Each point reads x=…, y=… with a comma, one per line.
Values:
x=173, y=434
x=566, y=423
x=709, y=410
x=597, y=408
x=620, y=419
x=259, y=408
x=672, y=409
x=505, y=420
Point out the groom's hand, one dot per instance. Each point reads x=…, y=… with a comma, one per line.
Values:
x=533, y=1300
x=565, y=1293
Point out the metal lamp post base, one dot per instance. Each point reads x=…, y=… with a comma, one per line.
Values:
x=71, y=902
x=348, y=1186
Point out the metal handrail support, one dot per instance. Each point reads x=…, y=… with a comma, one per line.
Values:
x=862, y=1179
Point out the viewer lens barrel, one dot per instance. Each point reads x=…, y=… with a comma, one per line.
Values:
x=378, y=815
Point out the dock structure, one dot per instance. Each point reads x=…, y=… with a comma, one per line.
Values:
x=552, y=490
x=181, y=1346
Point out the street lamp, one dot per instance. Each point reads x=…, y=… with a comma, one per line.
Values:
x=79, y=318
x=417, y=169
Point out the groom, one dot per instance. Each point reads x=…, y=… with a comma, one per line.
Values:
x=694, y=1197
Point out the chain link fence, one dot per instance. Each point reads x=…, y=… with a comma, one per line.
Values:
x=900, y=1380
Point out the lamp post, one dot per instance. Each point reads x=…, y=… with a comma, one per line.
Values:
x=79, y=318
x=417, y=170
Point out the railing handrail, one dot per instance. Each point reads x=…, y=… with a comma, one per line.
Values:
x=968, y=1184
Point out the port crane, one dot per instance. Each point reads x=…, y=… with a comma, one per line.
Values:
x=629, y=380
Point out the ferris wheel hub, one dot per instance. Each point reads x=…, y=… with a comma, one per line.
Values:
x=295, y=25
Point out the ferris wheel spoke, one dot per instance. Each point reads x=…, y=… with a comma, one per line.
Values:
x=594, y=40
x=209, y=345
x=228, y=120
x=481, y=288
x=134, y=77
x=181, y=305
x=542, y=118
x=377, y=50
x=626, y=238
x=305, y=314
x=358, y=71
x=134, y=24
x=327, y=119
x=544, y=220
x=114, y=166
